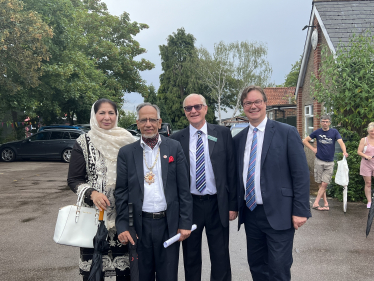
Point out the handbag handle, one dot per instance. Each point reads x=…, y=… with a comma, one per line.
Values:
x=79, y=204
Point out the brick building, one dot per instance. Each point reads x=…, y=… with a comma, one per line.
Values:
x=330, y=23
x=280, y=105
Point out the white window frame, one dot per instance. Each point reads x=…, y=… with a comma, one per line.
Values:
x=271, y=115
x=308, y=114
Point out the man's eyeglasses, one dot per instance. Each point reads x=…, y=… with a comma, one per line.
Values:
x=196, y=106
x=325, y=121
x=249, y=103
x=151, y=120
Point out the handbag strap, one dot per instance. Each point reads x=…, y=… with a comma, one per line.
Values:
x=81, y=195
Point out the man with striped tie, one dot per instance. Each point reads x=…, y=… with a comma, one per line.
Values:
x=210, y=156
x=273, y=188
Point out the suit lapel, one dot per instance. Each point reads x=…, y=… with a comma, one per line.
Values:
x=164, y=150
x=211, y=132
x=185, y=143
x=268, y=137
x=241, y=150
x=138, y=158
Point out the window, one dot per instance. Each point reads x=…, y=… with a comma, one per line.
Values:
x=57, y=135
x=308, y=119
x=40, y=136
x=270, y=115
x=74, y=135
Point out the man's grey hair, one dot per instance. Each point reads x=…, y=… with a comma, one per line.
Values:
x=325, y=117
x=203, y=101
x=140, y=106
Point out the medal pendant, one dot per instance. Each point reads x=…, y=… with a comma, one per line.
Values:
x=149, y=177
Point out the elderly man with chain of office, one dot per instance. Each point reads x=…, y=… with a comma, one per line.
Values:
x=152, y=174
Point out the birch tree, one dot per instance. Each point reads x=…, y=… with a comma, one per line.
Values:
x=250, y=67
x=215, y=71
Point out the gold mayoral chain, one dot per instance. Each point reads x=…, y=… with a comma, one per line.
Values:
x=150, y=176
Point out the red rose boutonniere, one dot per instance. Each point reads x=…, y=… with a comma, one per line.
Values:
x=171, y=159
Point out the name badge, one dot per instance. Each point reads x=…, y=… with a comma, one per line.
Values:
x=212, y=138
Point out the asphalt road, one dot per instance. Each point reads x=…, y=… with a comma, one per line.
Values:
x=330, y=246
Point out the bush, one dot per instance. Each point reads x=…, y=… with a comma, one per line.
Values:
x=356, y=182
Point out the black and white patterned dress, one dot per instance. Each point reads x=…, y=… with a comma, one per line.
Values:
x=87, y=168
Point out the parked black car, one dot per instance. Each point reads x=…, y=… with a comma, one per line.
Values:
x=165, y=129
x=48, y=143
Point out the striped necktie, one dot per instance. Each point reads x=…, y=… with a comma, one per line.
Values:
x=200, y=163
x=250, y=195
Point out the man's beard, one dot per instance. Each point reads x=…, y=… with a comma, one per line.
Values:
x=149, y=136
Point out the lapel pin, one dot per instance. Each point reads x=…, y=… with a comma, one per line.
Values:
x=165, y=156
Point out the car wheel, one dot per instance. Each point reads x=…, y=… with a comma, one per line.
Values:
x=66, y=154
x=8, y=155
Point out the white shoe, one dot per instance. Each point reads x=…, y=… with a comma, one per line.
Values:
x=368, y=205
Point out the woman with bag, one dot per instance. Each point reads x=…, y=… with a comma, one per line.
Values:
x=366, y=151
x=93, y=170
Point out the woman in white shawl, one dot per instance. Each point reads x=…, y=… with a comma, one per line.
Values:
x=93, y=165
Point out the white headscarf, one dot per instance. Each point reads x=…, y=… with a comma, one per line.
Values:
x=108, y=142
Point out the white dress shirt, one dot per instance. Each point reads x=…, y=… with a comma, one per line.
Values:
x=154, y=196
x=209, y=174
x=247, y=152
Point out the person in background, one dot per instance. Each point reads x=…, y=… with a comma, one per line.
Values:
x=324, y=160
x=366, y=151
x=93, y=164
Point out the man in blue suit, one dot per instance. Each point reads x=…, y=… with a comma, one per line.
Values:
x=273, y=188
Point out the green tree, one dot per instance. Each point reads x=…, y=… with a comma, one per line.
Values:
x=250, y=67
x=126, y=118
x=216, y=71
x=178, y=79
x=293, y=75
x=346, y=89
x=93, y=56
x=22, y=50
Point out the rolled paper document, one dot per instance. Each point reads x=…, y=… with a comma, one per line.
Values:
x=175, y=238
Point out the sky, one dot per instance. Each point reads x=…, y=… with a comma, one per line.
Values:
x=278, y=24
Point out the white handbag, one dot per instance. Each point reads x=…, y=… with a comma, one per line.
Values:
x=77, y=225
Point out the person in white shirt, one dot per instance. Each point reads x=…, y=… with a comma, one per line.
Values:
x=210, y=156
x=152, y=175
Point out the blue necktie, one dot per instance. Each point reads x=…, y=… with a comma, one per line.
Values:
x=200, y=164
x=250, y=195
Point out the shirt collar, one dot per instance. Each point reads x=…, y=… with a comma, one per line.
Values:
x=261, y=126
x=143, y=144
x=193, y=130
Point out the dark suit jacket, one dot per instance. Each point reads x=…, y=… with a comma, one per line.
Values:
x=222, y=158
x=130, y=186
x=284, y=174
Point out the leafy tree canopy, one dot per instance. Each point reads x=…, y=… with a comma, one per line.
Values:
x=293, y=75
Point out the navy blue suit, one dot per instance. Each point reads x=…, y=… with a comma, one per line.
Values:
x=284, y=180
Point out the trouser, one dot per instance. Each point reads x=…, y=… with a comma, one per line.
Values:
x=206, y=214
x=269, y=251
x=154, y=260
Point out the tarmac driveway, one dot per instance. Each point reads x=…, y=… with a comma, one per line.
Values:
x=330, y=246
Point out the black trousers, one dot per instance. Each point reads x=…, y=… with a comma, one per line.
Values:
x=269, y=251
x=154, y=260
x=205, y=214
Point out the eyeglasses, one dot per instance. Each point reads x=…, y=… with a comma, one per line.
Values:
x=249, y=103
x=196, y=106
x=151, y=120
x=325, y=121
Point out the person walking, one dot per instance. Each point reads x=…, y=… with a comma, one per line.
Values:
x=324, y=160
x=152, y=174
x=273, y=188
x=366, y=151
x=210, y=157
x=93, y=164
